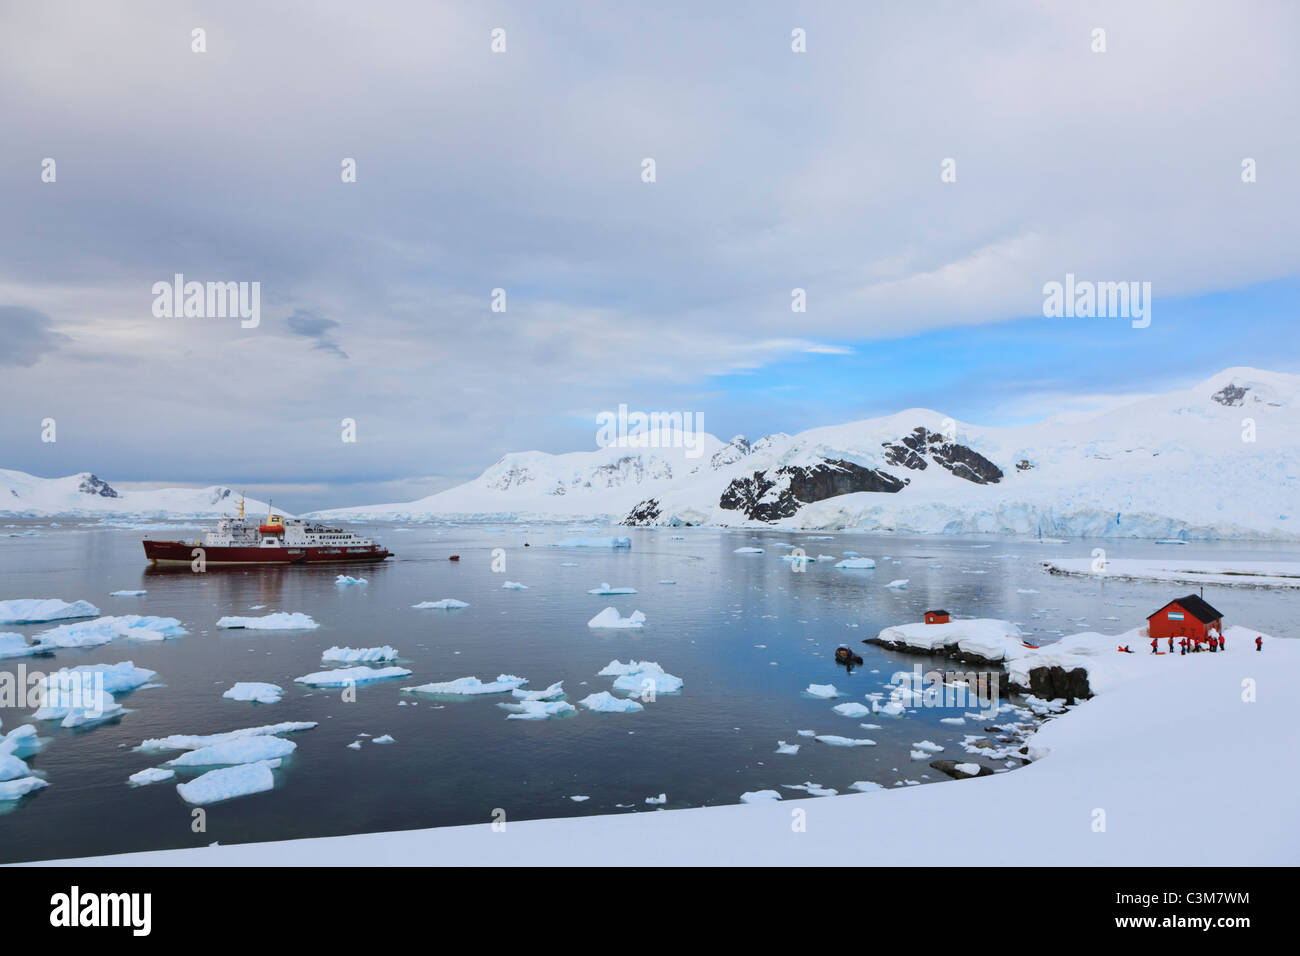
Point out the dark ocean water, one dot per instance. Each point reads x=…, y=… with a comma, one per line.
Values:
x=743, y=631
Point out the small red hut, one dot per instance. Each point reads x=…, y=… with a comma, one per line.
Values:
x=1190, y=617
x=936, y=617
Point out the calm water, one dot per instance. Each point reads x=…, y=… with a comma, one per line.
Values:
x=454, y=762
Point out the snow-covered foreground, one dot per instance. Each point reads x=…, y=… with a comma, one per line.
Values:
x=1178, y=761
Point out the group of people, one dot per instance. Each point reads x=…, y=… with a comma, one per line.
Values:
x=1187, y=645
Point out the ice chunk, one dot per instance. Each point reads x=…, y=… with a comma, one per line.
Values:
x=344, y=581
x=197, y=741
x=102, y=630
x=661, y=799
x=856, y=563
x=514, y=586
x=468, y=686
x=606, y=589
x=279, y=621
x=127, y=593
x=824, y=691
x=611, y=618
x=815, y=789
x=748, y=551
x=357, y=655
x=228, y=783
x=446, y=604
x=553, y=692
x=784, y=748
x=384, y=739
x=836, y=741
x=865, y=786
x=641, y=677
x=537, y=709
x=347, y=676
x=15, y=645
x=851, y=710
x=929, y=746
x=13, y=789
x=760, y=796
x=806, y=733
x=40, y=610
x=255, y=692
x=898, y=585
x=11, y=767
x=152, y=775
x=238, y=750
x=607, y=542
x=606, y=702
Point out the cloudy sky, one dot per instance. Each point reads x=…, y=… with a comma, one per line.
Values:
x=522, y=171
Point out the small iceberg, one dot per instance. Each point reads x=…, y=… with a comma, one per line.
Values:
x=384, y=739
x=279, y=621
x=611, y=618
x=641, y=677
x=41, y=610
x=344, y=581
x=748, y=551
x=898, y=585
x=103, y=630
x=241, y=750
x=554, y=692
x=127, y=593
x=852, y=709
x=659, y=800
x=856, y=563
x=606, y=703
x=760, y=796
x=254, y=692
x=606, y=589
x=514, y=586
x=609, y=542
x=470, y=686
x=865, y=786
x=824, y=691
x=348, y=676
x=358, y=655
x=152, y=775
x=837, y=741
x=15, y=645
x=537, y=709
x=197, y=741
x=14, y=789
x=227, y=783
x=446, y=604
x=784, y=748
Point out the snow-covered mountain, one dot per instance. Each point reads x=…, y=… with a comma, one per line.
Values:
x=1218, y=460
x=24, y=495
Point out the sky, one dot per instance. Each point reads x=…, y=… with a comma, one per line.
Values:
x=522, y=170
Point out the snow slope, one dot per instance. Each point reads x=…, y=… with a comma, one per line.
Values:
x=1218, y=460
x=1134, y=777
x=27, y=496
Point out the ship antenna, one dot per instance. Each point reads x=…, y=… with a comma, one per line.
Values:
x=241, y=505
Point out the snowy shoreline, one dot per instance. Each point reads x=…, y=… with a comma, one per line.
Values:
x=1131, y=760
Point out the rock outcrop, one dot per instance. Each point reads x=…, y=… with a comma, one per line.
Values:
x=781, y=492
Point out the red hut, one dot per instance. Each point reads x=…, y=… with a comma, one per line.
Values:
x=1190, y=617
x=936, y=617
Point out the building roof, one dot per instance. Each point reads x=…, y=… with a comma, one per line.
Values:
x=1195, y=606
x=936, y=612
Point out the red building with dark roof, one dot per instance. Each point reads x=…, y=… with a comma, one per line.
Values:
x=1189, y=617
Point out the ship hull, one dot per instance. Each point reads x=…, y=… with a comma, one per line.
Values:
x=180, y=552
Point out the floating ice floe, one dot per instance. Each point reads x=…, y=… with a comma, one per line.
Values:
x=641, y=677
x=553, y=692
x=600, y=542
x=384, y=739
x=469, y=686
x=852, y=709
x=955, y=721
x=661, y=799
x=837, y=741
x=446, y=604
x=197, y=741
x=347, y=676
x=667, y=581
x=40, y=610
x=115, y=678
x=824, y=691
x=856, y=563
x=815, y=789
x=344, y=581
x=929, y=746
x=760, y=796
x=127, y=593
x=358, y=655
x=606, y=589
x=806, y=733
x=605, y=702
x=610, y=618
x=514, y=586
x=748, y=551
x=15, y=645
x=103, y=630
x=279, y=621
x=865, y=786
x=82, y=707
x=537, y=709
x=20, y=787
x=236, y=751
x=255, y=692
x=229, y=782
x=579, y=798
x=919, y=755
x=152, y=775
x=898, y=585
x=784, y=748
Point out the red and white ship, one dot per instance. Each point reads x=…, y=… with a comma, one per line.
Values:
x=274, y=541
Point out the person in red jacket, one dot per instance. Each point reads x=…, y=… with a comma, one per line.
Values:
x=1154, y=642
x=1171, y=643
x=1259, y=643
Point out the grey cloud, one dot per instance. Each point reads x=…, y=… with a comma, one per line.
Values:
x=26, y=336
x=312, y=326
